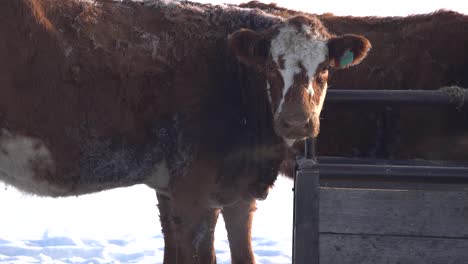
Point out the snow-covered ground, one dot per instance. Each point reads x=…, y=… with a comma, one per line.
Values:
x=122, y=226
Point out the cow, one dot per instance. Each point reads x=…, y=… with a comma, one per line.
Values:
x=418, y=52
x=424, y=52
x=199, y=102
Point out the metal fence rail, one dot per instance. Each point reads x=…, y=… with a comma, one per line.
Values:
x=397, y=172
x=330, y=171
x=426, y=97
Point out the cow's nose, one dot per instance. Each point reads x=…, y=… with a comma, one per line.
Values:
x=298, y=123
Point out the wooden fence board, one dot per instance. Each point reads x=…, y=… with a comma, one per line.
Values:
x=394, y=212
x=365, y=249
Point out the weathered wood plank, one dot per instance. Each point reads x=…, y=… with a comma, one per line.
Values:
x=364, y=249
x=394, y=212
x=306, y=217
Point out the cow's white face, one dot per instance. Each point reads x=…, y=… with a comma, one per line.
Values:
x=297, y=55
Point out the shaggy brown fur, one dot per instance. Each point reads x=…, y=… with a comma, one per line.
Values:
x=99, y=95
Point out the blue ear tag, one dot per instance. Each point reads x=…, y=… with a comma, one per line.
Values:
x=346, y=59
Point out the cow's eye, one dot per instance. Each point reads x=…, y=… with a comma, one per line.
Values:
x=322, y=78
x=319, y=80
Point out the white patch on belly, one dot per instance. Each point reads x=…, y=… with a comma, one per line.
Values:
x=159, y=178
x=21, y=158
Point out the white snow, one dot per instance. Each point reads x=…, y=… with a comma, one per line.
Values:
x=122, y=226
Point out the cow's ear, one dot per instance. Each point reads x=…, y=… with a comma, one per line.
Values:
x=250, y=47
x=347, y=50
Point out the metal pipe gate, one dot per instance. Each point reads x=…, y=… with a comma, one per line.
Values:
x=312, y=173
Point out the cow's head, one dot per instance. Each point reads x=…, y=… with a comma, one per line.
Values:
x=296, y=57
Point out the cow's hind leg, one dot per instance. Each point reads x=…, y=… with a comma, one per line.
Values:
x=238, y=219
x=188, y=234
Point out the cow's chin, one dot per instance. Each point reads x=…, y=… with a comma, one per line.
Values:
x=291, y=131
x=289, y=142
x=290, y=135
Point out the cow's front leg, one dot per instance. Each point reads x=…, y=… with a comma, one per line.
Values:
x=188, y=233
x=238, y=219
x=195, y=235
x=168, y=228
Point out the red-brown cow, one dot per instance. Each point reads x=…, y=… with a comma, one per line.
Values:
x=415, y=52
x=196, y=101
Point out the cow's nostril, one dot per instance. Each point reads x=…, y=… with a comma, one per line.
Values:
x=296, y=123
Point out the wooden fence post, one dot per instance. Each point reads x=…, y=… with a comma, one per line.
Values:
x=306, y=213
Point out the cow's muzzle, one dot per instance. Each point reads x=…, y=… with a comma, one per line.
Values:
x=297, y=126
